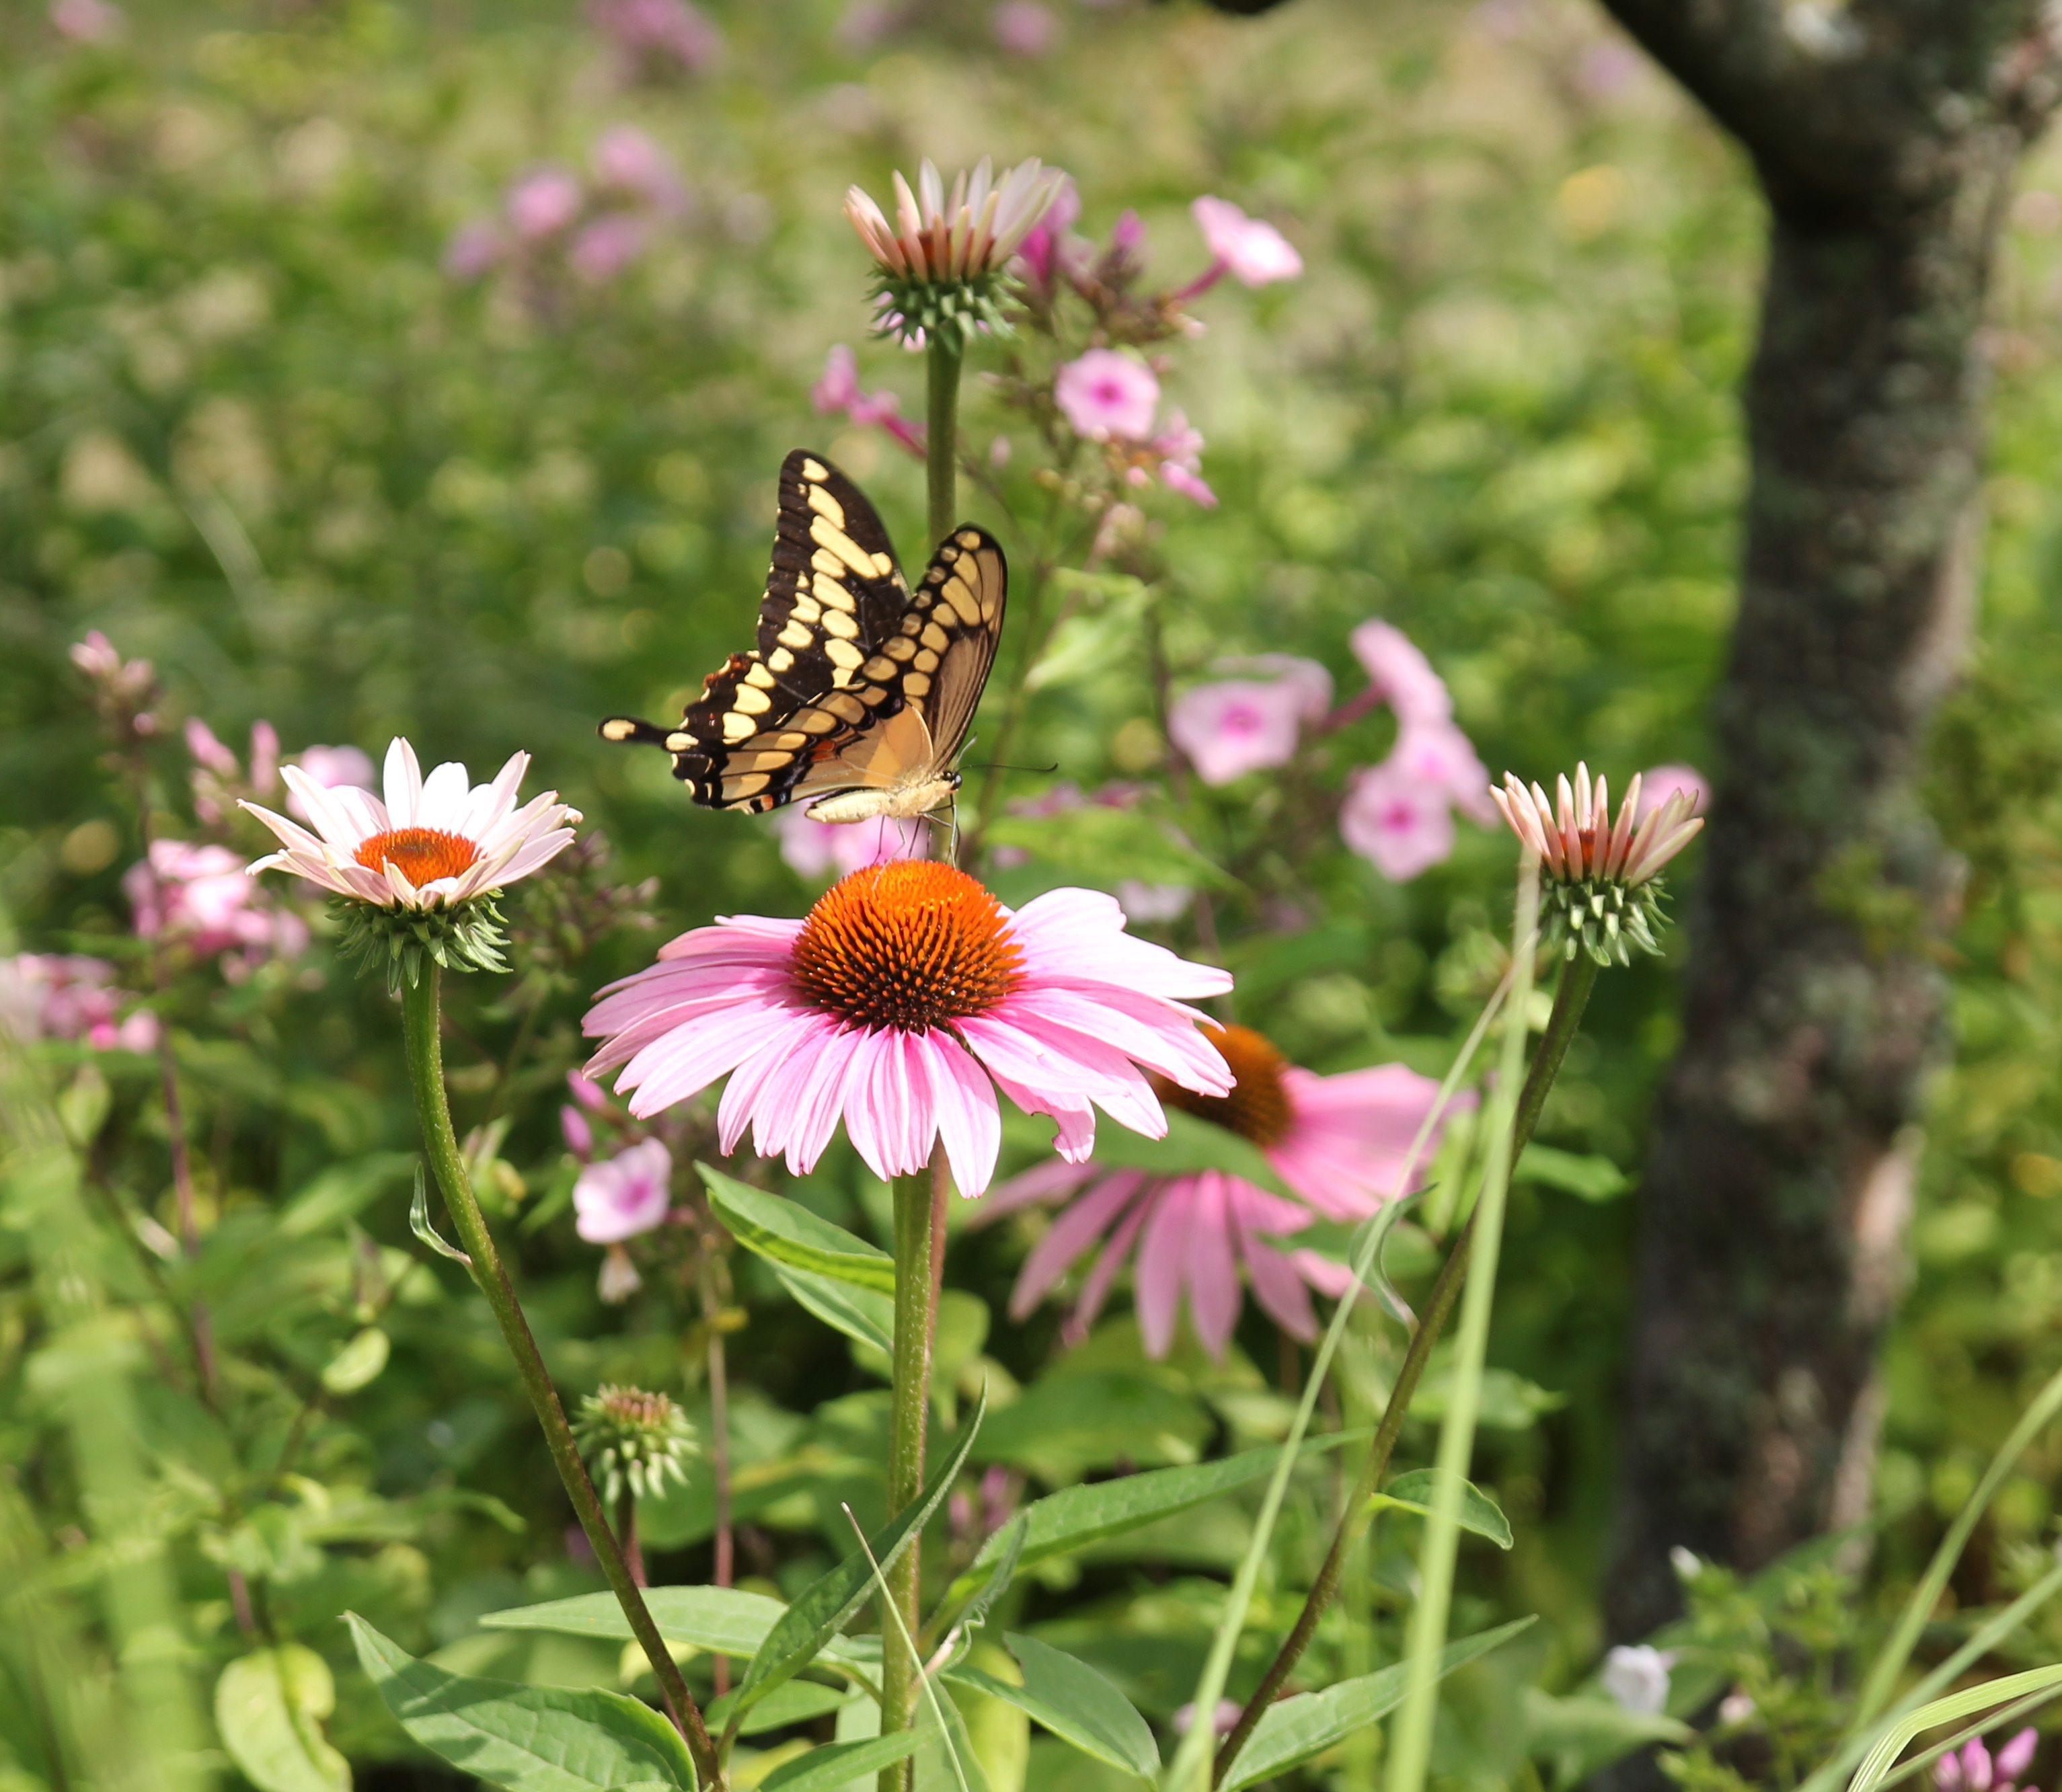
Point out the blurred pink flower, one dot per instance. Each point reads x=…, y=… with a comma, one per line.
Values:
x=904, y=1001
x=1143, y=903
x=124, y=681
x=587, y=1092
x=1972, y=1770
x=264, y=758
x=1105, y=393
x=1230, y=1710
x=1400, y=675
x=626, y=158
x=330, y=769
x=86, y=21
x=1341, y=1143
x=578, y=1134
x=604, y=248
x=217, y=779
x=1246, y=725
x=630, y=1194
x=1664, y=781
x=199, y=896
x=1024, y=28
x=1179, y=449
x=839, y=390
x=473, y=248
x=57, y=996
x=658, y=37
x=544, y=201
x=210, y=751
x=813, y=848
x=1402, y=824
x=1248, y=248
x=1438, y=754
x=1044, y=251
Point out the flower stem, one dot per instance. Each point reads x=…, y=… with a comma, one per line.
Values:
x=421, y=1024
x=910, y=1404
x=942, y=442
x=719, y=1392
x=1573, y=996
x=1411, y=1740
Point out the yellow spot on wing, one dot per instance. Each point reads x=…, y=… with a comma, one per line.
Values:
x=824, y=504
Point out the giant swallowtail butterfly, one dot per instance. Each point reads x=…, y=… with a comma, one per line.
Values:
x=858, y=697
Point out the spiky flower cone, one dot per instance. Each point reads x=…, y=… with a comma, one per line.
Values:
x=633, y=1439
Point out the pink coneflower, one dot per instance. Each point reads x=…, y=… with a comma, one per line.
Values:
x=907, y=997
x=1104, y=394
x=1227, y=730
x=940, y=236
x=1341, y=1143
x=1400, y=824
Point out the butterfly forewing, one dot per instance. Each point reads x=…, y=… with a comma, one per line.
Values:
x=844, y=647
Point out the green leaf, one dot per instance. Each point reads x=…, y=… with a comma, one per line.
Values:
x=525, y=1738
x=1296, y=1728
x=1076, y=1517
x=836, y=1764
x=723, y=1620
x=358, y=1364
x=1414, y=1492
x=823, y=1610
x=1066, y=1424
x=269, y=1708
x=1074, y=1701
x=863, y=1316
x=795, y=1702
x=1591, y=1178
x=786, y=1232
x=1192, y=1143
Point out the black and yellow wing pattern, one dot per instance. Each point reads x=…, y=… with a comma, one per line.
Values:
x=860, y=691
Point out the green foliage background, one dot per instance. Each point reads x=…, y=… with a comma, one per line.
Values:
x=251, y=430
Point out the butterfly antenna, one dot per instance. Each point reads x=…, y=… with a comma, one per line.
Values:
x=997, y=765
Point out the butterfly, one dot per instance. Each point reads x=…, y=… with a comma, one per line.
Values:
x=858, y=697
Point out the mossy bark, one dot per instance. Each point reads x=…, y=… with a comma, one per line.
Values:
x=1885, y=137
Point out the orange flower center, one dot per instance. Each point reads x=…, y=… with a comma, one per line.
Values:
x=424, y=854
x=910, y=945
x=1258, y=1107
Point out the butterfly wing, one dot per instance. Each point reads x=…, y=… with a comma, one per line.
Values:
x=972, y=580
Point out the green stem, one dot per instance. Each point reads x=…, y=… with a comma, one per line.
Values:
x=421, y=1023
x=1570, y=1000
x=942, y=445
x=1412, y=1737
x=909, y=1409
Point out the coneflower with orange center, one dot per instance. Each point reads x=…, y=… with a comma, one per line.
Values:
x=902, y=1003
x=1600, y=888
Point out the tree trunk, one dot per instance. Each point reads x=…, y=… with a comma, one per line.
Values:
x=1785, y=1147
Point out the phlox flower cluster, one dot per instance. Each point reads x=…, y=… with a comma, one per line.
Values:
x=593, y=227
x=1251, y=723
x=621, y=1193
x=197, y=896
x=1113, y=399
x=69, y=997
x=122, y=689
x=656, y=40
x=1340, y=1146
x=839, y=394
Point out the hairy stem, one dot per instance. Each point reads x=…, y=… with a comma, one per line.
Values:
x=915, y=1319
x=626, y=1534
x=1570, y=1000
x=941, y=458
x=421, y=1025
x=719, y=1388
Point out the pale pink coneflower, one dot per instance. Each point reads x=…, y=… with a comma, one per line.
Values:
x=840, y=392
x=1401, y=824
x=1971, y=1768
x=1341, y=1143
x=903, y=1000
x=1659, y=783
x=1103, y=394
x=1599, y=889
x=813, y=849
x=1242, y=725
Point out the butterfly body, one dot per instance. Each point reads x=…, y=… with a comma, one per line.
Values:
x=858, y=697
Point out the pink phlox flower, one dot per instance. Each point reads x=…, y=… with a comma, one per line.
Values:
x=208, y=751
x=1664, y=781
x=630, y=1194
x=605, y=248
x=1024, y=28
x=1340, y=1145
x=813, y=849
x=86, y=21
x=902, y=1003
x=264, y=758
x=1178, y=448
x=839, y=390
x=329, y=769
x=126, y=681
x=1248, y=248
x=2016, y=1756
x=1227, y=730
x=1400, y=675
x=544, y=201
x=1400, y=823
x=1103, y=394
x=578, y=1133
x=587, y=1092
x=658, y=37
x=624, y=157
x=1438, y=754
x=1047, y=251
x=199, y=896
x=1059, y=798
x=61, y=996
x=473, y=250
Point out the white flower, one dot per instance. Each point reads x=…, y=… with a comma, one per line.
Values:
x=436, y=842
x=1636, y=1675
x=937, y=237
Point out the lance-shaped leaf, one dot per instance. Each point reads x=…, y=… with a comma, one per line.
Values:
x=526, y=1738
x=723, y=1620
x=863, y=1316
x=1296, y=1728
x=824, y=1608
x=1415, y=1493
x=786, y=1232
x=837, y=1764
x=1076, y=1703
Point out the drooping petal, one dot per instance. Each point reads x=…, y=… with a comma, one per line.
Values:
x=1162, y=1257
x=1212, y=1274
x=1069, y=1235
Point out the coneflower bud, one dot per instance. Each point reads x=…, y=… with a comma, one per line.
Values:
x=1600, y=890
x=633, y=1439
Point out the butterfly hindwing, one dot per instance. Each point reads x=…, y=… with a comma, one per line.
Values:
x=845, y=648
